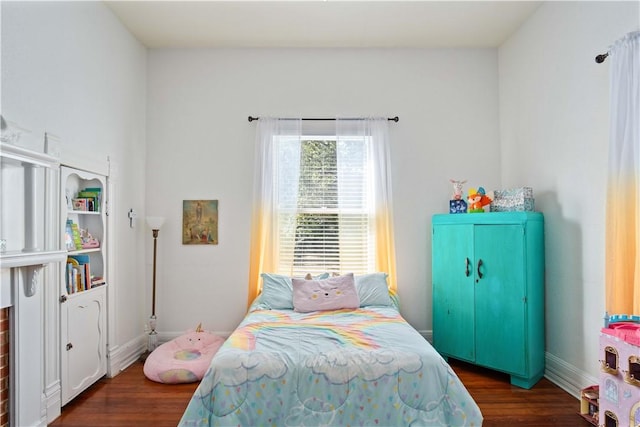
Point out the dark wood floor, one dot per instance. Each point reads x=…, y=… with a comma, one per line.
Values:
x=130, y=399
x=505, y=405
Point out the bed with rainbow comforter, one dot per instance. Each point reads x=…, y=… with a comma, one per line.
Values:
x=349, y=367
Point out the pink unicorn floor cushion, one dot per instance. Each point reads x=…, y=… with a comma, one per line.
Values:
x=184, y=359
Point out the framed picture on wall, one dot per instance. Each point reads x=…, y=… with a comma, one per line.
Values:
x=199, y=222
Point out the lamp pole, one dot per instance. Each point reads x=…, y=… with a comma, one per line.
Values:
x=153, y=335
x=154, y=223
x=155, y=251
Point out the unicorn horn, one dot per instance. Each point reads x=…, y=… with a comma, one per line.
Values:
x=199, y=328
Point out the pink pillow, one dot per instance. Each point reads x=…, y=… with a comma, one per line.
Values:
x=333, y=293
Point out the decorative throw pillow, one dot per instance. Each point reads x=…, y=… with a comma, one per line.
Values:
x=333, y=293
x=277, y=291
x=373, y=289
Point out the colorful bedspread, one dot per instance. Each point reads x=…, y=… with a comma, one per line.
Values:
x=364, y=367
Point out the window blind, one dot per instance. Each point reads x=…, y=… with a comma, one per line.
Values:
x=324, y=191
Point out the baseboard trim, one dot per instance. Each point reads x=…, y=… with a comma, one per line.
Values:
x=566, y=376
x=52, y=401
x=427, y=335
x=122, y=356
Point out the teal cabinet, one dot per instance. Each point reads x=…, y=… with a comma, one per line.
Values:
x=488, y=291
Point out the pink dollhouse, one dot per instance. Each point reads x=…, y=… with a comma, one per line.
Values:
x=619, y=400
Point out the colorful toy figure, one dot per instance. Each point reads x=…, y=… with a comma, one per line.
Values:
x=457, y=189
x=457, y=204
x=478, y=199
x=88, y=241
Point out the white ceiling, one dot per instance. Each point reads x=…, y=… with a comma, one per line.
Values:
x=334, y=23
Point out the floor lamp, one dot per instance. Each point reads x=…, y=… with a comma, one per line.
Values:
x=154, y=222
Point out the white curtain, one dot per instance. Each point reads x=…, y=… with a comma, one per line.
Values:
x=623, y=190
x=376, y=132
x=264, y=238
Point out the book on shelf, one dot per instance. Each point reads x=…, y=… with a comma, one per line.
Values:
x=93, y=196
x=80, y=279
x=76, y=280
x=72, y=276
x=72, y=272
x=69, y=244
x=96, y=190
x=97, y=281
x=77, y=240
x=80, y=258
x=86, y=279
x=69, y=278
x=80, y=204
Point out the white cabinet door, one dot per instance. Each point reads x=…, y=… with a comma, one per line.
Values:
x=83, y=339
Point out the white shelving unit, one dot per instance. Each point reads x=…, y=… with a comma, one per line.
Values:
x=83, y=310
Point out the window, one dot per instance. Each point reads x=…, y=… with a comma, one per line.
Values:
x=324, y=210
x=322, y=199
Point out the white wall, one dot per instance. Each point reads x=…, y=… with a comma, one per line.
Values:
x=554, y=115
x=73, y=70
x=200, y=146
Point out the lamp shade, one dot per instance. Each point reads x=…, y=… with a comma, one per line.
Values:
x=155, y=222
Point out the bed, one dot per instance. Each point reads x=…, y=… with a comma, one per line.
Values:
x=363, y=366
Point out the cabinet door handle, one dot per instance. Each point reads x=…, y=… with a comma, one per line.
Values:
x=479, y=272
x=466, y=267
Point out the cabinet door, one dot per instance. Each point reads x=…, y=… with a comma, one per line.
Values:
x=453, y=291
x=83, y=329
x=500, y=297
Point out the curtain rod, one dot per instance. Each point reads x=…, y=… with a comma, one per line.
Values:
x=392, y=119
x=600, y=58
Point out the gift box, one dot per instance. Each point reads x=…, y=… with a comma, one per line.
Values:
x=513, y=199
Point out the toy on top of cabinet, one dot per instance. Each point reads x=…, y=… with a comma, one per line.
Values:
x=457, y=204
x=478, y=199
x=457, y=189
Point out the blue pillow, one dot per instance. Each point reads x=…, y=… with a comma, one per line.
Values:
x=277, y=290
x=373, y=289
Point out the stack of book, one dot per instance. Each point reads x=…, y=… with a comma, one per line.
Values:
x=88, y=199
x=78, y=274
